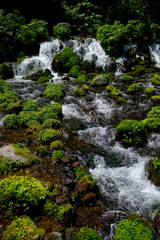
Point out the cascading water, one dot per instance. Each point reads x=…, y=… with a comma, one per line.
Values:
x=119, y=171
x=155, y=53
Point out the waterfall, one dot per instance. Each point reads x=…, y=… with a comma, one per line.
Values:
x=155, y=53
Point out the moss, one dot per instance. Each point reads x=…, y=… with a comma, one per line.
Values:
x=54, y=91
x=155, y=98
x=50, y=208
x=131, y=132
x=43, y=79
x=121, y=101
x=80, y=172
x=77, y=91
x=65, y=210
x=154, y=171
x=20, y=59
x=110, y=88
x=6, y=165
x=6, y=71
x=90, y=76
x=51, y=123
x=155, y=112
x=156, y=80
x=86, y=233
x=31, y=105
x=65, y=60
x=134, y=228
x=23, y=228
x=56, y=145
x=41, y=151
x=100, y=80
x=53, y=111
x=26, y=116
x=24, y=192
x=22, y=151
x=139, y=70
x=127, y=78
x=11, y=121
x=134, y=88
x=58, y=155
x=8, y=96
x=14, y=107
x=151, y=124
x=150, y=91
x=62, y=30
x=36, y=75
x=115, y=94
x=4, y=86
x=47, y=135
x=81, y=79
x=75, y=71
x=85, y=88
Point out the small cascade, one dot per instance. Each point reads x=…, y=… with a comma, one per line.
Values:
x=120, y=61
x=155, y=53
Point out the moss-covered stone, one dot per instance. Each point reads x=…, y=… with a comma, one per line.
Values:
x=6, y=71
x=155, y=98
x=51, y=123
x=86, y=233
x=21, y=191
x=54, y=91
x=99, y=80
x=77, y=91
x=151, y=124
x=121, y=101
x=58, y=155
x=53, y=111
x=134, y=228
x=43, y=79
x=25, y=117
x=11, y=121
x=110, y=88
x=150, y=91
x=6, y=165
x=31, y=105
x=154, y=171
x=90, y=76
x=81, y=79
x=23, y=228
x=49, y=134
x=155, y=112
x=138, y=70
x=56, y=145
x=65, y=60
x=131, y=132
x=134, y=88
x=115, y=94
x=156, y=80
x=75, y=71
x=127, y=78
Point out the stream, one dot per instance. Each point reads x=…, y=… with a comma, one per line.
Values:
x=119, y=170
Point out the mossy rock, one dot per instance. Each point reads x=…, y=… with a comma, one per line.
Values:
x=23, y=228
x=131, y=132
x=86, y=233
x=51, y=123
x=49, y=134
x=56, y=145
x=58, y=155
x=121, y=101
x=89, y=66
x=154, y=113
x=77, y=91
x=6, y=71
x=90, y=76
x=150, y=91
x=156, y=80
x=139, y=70
x=134, y=228
x=14, y=107
x=127, y=78
x=115, y=94
x=11, y=122
x=99, y=80
x=43, y=79
x=6, y=165
x=41, y=151
x=151, y=124
x=34, y=76
x=155, y=98
x=134, y=88
x=4, y=86
x=110, y=88
x=22, y=192
x=31, y=105
x=65, y=60
x=81, y=79
x=75, y=71
x=53, y=111
x=54, y=91
x=154, y=171
x=25, y=117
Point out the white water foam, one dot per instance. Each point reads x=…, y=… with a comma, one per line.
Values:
x=155, y=53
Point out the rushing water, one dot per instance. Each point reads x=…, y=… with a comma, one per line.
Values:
x=119, y=171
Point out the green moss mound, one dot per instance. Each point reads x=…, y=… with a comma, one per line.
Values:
x=154, y=171
x=77, y=91
x=150, y=91
x=62, y=30
x=65, y=60
x=47, y=135
x=6, y=165
x=75, y=71
x=25, y=117
x=51, y=123
x=54, y=91
x=65, y=210
x=58, y=155
x=127, y=78
x=43, y=79
x=156, y=80
x=6, y=71
x=56, y=145
x=23, y=228
x=133, y=229
x=155, y=98
x=21, y=191
x=30, y=105
x=11, y=121
x=134, y=88
x=131, y=132
x=86, y=233
x=151, y=124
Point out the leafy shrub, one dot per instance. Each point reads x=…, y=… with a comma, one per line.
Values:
x=24, y=192
x=62, y=30
x=87, y=234
x=11, y=121
x=134, y=229
x=54, y=91
x=23, y=228
x=6, y=71
x=65, y=60
x=58, y=155
x=131, y=132
x=49, y=134
x=30, y=105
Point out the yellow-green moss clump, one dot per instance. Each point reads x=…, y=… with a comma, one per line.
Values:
x=86, y=233
x=152, y=123
x=156, y=80
x=21, y=192
x=131, y=132
x=23, y=228
x=154, y=171
x=54, y=91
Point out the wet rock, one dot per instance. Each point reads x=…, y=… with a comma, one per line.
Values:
x=156, y=223
x=55, y=236
x=99, y=81
x=9, y=151
x=89, y=198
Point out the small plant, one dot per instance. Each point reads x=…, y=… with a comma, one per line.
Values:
x=50, y=208
x=65, y=210
x=23, y=228
x=54, y=91
x=58, y=155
